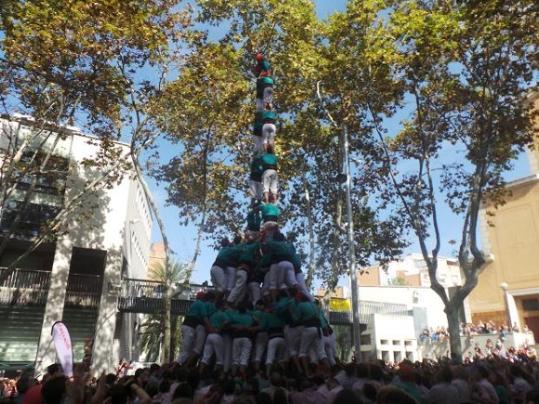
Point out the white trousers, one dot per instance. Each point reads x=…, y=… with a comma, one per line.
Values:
x=270, y=181
x=330, y=348
x=309, y=340
x=222, y=278
x=268, y=135
x=192, y=342
x=302, y=287
x=293, y=339
x=254, y=291
x=276, y=350
x=287, y=269
x=261, y=341
x=241, y=350
x=214, y=345
x=240, y=287
x=275, y=277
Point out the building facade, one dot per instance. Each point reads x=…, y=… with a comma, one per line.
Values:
x=76, y=276
x=508, y=289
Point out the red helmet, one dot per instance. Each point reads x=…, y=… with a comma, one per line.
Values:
x=200, y=295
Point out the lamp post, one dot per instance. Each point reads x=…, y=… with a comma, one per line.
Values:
x=356, y=330
x=504, y=286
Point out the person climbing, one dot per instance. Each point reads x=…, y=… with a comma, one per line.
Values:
x=214, y=341
x=307, y=315
x=264, y=93
x=261, y=333
x=264, y=129
x=270, y=214
x=255, y=178
x=241, y=324
x=269, y=177
x=247, y=258
x=276, y=348
x=194, y=330
x=223, y=270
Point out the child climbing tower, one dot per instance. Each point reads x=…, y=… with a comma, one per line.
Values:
x=263, y=180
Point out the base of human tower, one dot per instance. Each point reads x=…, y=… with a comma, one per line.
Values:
x=260, y=310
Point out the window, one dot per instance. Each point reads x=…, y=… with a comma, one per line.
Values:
x=530, y=304
x=384, y=341
x=408, y=343
x=396, y=342
x=366, y=339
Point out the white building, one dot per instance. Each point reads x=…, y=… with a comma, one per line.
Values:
x=75, y=277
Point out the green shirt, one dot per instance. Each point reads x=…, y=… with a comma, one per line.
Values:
x=305, y=311
x=218, y=319
x=241, y=319
x=269, y=211
x=284, y=307
x=261, y=317
x=257, y=169
x=274, y=321
x=254, y=220
x=278, y=251
x=198, y=310
x=228, y=256
x=269, y=160
x=266, y=80
x=262, y=117
x=249, y=253
x=323, y=320
x=210, y=308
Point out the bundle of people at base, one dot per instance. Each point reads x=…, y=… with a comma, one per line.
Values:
x=260, y=312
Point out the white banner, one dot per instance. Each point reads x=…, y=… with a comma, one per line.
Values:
x=64, y=349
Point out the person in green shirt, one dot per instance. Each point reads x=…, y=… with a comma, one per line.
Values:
x=253, y=220
x=270, y=213
x=307, y=314
x=276, y=347
x=241, y=325
x=261, y=337
x=270, y=178
x=255, y=178
x=247, y=258
x=193, y=330
x=223, y=270
x=264, y=93
x=214, y=345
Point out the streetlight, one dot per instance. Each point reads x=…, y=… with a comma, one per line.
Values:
x=504, y=286
x=356, y=329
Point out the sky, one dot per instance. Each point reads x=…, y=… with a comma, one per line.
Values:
x=182, y=238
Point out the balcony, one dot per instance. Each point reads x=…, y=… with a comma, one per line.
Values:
x=30, y=287
x=24, y=287
x=146, y=296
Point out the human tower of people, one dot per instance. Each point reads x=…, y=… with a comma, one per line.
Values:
x=260, y=311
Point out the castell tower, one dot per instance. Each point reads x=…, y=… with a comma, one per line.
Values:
x=263, y=180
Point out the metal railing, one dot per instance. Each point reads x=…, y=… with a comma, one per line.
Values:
x=83, y=290
x=24, y=286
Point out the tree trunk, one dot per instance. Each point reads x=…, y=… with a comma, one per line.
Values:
x=166, y=328
x=310, y=224
x=453, y=321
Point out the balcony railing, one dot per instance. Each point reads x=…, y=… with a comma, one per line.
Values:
x=146, y=296
x=24, y=286
x=83, y=290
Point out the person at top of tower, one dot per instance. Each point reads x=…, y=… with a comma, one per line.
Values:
x=269, y=177
x=263, y=67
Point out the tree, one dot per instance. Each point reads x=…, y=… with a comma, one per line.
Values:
x=208, y=111
x=153, y=327
x=466, y=68
x=85, y=63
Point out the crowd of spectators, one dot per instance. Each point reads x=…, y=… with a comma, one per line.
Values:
x=470, y=330
x=490, y=380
